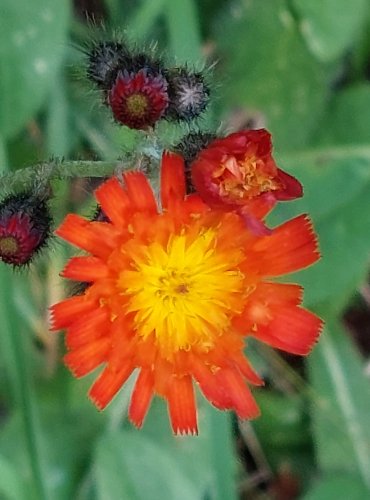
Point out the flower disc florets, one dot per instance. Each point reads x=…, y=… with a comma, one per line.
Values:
x=173, y=294
x=138, y=100
x=188, y=94
x=24, y=228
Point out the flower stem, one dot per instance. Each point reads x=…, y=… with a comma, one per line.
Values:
x=16, y=363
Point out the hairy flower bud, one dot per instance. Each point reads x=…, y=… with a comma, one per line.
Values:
x=189, y=147
x=24, y=227
x=104, y=61
x=138, y=100
x=188, y=94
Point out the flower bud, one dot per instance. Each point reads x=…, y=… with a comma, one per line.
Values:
x=24, y=228
x=138, y=100
x=104, y=61
x=189, y=147
x=188, y=94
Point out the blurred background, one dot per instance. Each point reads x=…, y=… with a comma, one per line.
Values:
x=300, y=68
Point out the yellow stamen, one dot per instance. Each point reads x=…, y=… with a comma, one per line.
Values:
x=182, y=293
x=244, y=179
x=137, y=104
x=8, y=245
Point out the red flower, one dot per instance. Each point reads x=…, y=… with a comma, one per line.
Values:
x=238, y=173
x=140, y=99
x=24, y=228
x=174, y=294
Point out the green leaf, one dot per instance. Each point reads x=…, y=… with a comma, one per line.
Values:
x=330, y=26
x=341, y=407
x=267, y=67
x=130, y=465
x=32, y=40
x=11, y=487
x=336, y=487
x=347, y=119
x=183, y=28
x=337, y=191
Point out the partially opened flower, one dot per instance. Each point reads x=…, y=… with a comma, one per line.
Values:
x=138, y=99
x=174, y=293
x=238, y=172
x=24, y=227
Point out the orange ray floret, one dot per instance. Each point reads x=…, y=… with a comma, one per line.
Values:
x=174, y=291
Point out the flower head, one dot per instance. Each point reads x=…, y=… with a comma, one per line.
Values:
x=138, y=99
x=24, y=228
x=239, y=171
x=188, y=94
x=174, y=292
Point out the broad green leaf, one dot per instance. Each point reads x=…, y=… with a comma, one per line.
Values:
x=65, y=446
x=213, y=447
x=183, y=28
x=130, y=465
x=336, y=487
x=346, y=121
x=340, y=411
x=337, y=192
x=330, y=26
x=11, y=487
x=267, y=67
x=283, y=422
x=32, y=41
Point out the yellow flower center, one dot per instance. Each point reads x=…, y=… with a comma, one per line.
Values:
x=8, y=245
x=244, y=179
x=137, y=104
x=184, y=293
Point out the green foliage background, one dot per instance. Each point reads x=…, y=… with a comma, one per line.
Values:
x=302, y=69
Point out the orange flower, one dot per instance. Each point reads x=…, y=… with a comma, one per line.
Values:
x=238, y=172
x=175, y=292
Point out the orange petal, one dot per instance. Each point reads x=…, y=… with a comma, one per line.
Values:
x=97, y=238
x=88, y=328
x=247, y=371
x=291, y=246
x=210, y=386
x=86, y=358
x=278, y=293
x=141, y=397
x=239, y=393
x=172, y=178
x=114, y=201
x=181, y=405
x=65, y=312
x=140, y=192
x=85, y=269
x=261, y=205
x=292, y=329
x=108, y=384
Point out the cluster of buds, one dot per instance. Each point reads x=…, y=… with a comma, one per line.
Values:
x=140, y=90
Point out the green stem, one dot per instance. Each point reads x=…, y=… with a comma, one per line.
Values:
x=41, y=174
x=24, y=400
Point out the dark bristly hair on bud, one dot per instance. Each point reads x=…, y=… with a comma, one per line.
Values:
x=188, y=93
x=189, y=147
x=105, y=60
x=25, y=224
